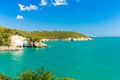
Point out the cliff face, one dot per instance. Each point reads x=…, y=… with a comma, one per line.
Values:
x=17, y=41
x=20, y=41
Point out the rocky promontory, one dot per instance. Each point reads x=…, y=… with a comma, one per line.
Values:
x=13, y=40
x=18, y=42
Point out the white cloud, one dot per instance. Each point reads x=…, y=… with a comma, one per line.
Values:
x=27, y=8
x=19, y=17
x=59, y=2
x=43, y=3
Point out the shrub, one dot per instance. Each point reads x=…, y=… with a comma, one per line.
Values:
x=66, y=79
x=38, y=74
x=3, y=77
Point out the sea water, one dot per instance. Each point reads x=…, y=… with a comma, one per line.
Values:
x=98, y=59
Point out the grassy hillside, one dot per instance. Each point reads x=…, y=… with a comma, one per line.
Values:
x=5, y=33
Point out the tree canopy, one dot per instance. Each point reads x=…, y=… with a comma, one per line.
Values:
x=37, y=74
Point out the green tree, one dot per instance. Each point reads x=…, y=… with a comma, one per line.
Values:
x=38, y=74
x=3, y=77
x=66, y=79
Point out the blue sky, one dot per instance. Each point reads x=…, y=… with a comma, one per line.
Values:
x=90, y=17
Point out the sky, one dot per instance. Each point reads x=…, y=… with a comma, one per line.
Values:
x=90, y=17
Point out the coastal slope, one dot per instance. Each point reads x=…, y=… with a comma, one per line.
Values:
x=11, y=38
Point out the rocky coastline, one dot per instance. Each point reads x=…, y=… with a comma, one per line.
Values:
x=10, y=48
x=67, y=39
x=19, y=42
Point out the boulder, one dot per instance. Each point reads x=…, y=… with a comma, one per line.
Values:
x=39, y=44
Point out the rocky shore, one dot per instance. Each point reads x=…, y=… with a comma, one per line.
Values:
x=10, y=48
x=67, y=39
x=78, y=39
x=18, y=42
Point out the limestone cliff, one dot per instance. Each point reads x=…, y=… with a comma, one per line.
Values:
x=20, y=41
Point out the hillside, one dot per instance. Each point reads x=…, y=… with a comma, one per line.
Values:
x=5, y=34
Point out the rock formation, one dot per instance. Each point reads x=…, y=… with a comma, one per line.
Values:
x=19, y=41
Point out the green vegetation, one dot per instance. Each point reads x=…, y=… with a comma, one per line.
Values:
x=5, y=34
x=57, y=34
x=38, y=74
x=66, y=79
x=3, y=77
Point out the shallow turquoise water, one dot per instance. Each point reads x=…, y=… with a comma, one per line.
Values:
x=98, y=59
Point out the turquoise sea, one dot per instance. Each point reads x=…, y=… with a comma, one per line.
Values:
x=98, y=59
